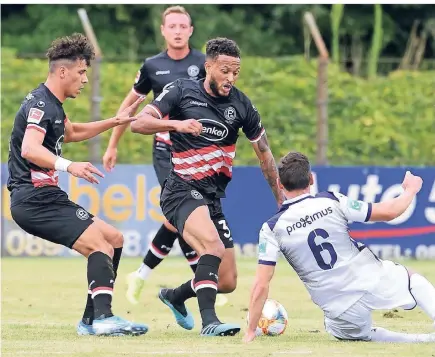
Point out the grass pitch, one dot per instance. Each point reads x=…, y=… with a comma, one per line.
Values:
x=43, y=299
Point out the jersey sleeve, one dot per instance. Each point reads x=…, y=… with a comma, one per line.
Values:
x=142, y=83
x=40, y=116
x=167, y=102
x=268, y=247
x=253, y=128
x=354, y=210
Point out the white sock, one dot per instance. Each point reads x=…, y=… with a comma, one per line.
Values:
x=424, y=293
x=143, y=271
x=379, y=334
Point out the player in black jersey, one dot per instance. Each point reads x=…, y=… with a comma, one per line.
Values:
x=40, y=207
x=177, y=61
x=213, y=110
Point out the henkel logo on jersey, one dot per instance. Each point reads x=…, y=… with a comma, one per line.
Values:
x=212, y=130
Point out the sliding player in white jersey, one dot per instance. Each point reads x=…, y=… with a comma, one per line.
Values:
x=344, y=278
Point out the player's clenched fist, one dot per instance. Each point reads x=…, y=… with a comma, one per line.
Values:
x=412, y=182
x=189, y=126
x=85, y=170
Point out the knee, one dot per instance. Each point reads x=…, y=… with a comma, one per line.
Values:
x=117, y=239
x=215, y=247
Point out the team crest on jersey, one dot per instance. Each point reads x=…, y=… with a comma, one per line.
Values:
x=193, y=71
x=356, y=205
x=35, y=116
x=82, y=214
x=230, y=115
x=196, y=195
x=262, y=246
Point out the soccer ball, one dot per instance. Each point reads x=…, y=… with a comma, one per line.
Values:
x=273, y=320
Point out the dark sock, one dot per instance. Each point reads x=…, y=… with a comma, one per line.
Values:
x=88, y=315
x=205, y=284
x=116, y=259
x=160, y=247
x=183, y=292
x=188, y=253
x=101, y=278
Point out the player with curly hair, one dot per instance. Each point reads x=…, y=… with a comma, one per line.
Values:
x=205, y=117
x=40, y=207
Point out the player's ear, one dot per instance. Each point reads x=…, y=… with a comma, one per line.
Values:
x=207, y=66
x=162, y=30
x=311, y=179
x=62, y=71
x=191, y=31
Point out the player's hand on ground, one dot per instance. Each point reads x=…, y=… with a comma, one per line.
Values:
x=85, y=170
x=189, y=126
x=109, y=159
x=412, y=183
x=249, y=336
x=126, y=116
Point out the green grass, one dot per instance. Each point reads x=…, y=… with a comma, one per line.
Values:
x=43, y=298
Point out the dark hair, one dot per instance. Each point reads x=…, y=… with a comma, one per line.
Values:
x=222, y=46
x=72, y=48
x=294, y=171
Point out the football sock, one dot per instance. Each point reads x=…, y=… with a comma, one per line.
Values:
x=101, y=278
x=205, y=285
x=380, y=334
x=424, y=294
x=188, y=253
x=159, y=249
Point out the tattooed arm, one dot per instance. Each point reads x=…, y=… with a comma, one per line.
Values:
x=267, y=164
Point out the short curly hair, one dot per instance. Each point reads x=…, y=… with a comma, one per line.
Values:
x=72, y=48
x=222, y=46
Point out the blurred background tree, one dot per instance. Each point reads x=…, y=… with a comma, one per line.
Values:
x=407, y=31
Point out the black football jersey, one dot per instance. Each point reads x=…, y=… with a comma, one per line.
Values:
x=42, y=111
x=206, y=161
x=159, y=70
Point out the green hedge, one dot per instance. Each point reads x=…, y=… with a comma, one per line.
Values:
x=385, y=121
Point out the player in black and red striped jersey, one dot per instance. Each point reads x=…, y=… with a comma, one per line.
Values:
x=40, y=207
x=205, y=117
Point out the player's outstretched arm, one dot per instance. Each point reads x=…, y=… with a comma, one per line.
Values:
x=393, y=208
x=149, y=122
x=33, y=151
x=83, y=131
x=268, y=166
x=109, y=157
x=259, y=293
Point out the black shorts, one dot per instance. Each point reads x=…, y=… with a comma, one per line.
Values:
x=46, y=212
x=179, y=199
x=162, y=163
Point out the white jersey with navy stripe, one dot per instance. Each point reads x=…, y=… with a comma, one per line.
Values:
x=313, y=235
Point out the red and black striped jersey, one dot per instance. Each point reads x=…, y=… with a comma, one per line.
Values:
x=206, y=161
x=42, y=111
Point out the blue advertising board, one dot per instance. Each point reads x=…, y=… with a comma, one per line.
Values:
x=128, y=198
